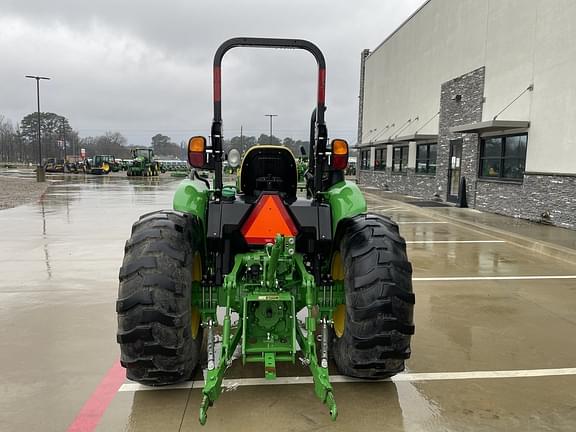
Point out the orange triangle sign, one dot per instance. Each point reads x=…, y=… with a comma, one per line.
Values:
x=268, y=219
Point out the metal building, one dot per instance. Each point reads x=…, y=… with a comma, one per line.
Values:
x=480, y=89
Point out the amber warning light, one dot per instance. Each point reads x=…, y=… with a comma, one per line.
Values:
x=267, y=219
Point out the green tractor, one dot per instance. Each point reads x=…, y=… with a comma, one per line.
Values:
x=103, y=164
x=143, y=163
x=313, y=279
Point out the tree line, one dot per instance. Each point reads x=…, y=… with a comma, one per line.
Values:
x=242, y=143
x=19, y=142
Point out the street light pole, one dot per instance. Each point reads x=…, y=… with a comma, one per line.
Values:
x=63, y=124
x=271, y=116
x=40, y=176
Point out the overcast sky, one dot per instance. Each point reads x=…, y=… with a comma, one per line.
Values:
x=142, y=68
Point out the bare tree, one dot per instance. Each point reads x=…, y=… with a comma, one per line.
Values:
x=7, y=140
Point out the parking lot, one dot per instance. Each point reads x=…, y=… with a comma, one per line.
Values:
x=493, y=350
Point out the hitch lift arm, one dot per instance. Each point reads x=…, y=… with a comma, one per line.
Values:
x=275, y=258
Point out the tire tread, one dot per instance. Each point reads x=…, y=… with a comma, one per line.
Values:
x=379, y=299
x=154, y=302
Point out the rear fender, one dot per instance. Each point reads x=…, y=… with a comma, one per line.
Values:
x=192, y=197
x=346, y=201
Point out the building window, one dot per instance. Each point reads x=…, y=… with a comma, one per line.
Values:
x=503, y=157
x=400, y=158
x=365, y=159
x=380, y=160
x=426, y=158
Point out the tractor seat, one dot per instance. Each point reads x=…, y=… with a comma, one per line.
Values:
x=269, y=168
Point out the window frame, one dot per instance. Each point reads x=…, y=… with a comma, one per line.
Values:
x=365, y=162
x=404, y=150
x=502, y=158
x=380, y=164
x=427, y=159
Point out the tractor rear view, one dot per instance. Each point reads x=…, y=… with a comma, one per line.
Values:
x=262, y=251
x=143, y=163
x=103, y=164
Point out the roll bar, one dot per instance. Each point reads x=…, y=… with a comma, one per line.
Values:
x=321, y=134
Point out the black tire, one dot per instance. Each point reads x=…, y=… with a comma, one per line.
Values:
x=379, y=301
x=154, y=300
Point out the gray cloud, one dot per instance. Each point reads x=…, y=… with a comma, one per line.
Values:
x=145, y=67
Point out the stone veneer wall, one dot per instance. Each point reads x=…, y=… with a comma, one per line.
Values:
x=467, y=110
x=418, y=185
x=531, y=199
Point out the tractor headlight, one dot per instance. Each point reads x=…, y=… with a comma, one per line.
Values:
x=233, y=158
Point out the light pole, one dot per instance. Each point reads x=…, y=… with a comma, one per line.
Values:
x=40, y=176
x=271, y=116
x=63, y=133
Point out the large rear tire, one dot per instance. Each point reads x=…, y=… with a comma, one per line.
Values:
x=158, y=331
x=373, y=339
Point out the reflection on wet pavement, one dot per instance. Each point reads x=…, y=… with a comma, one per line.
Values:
x=60, y=259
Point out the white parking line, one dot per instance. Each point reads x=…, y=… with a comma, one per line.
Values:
x=403, y=377
x=483, y=278
x=383, y=208
x=420, y=222
x=453, y=241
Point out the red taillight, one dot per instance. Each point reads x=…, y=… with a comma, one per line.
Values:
x=267, y=219
x=339, y=162
x=196, y=159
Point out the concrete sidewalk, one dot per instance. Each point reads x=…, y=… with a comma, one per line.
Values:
x=547, y=239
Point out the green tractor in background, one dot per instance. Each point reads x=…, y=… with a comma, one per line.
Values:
x=312, y=278
x=103, y=164
x=143, y=163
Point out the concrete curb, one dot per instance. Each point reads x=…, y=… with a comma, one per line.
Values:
x=555, y=251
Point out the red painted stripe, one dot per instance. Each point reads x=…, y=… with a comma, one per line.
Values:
x=321, y=86
x=96, y=405
x=217, y=84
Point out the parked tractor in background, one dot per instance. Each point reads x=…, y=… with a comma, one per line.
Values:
x=122, y=164
x=72, y=164
x=53, y=165
x=271, y=256
x=143, y=163
x=102, y=164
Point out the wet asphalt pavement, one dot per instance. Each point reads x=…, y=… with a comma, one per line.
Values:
x=59, y=260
